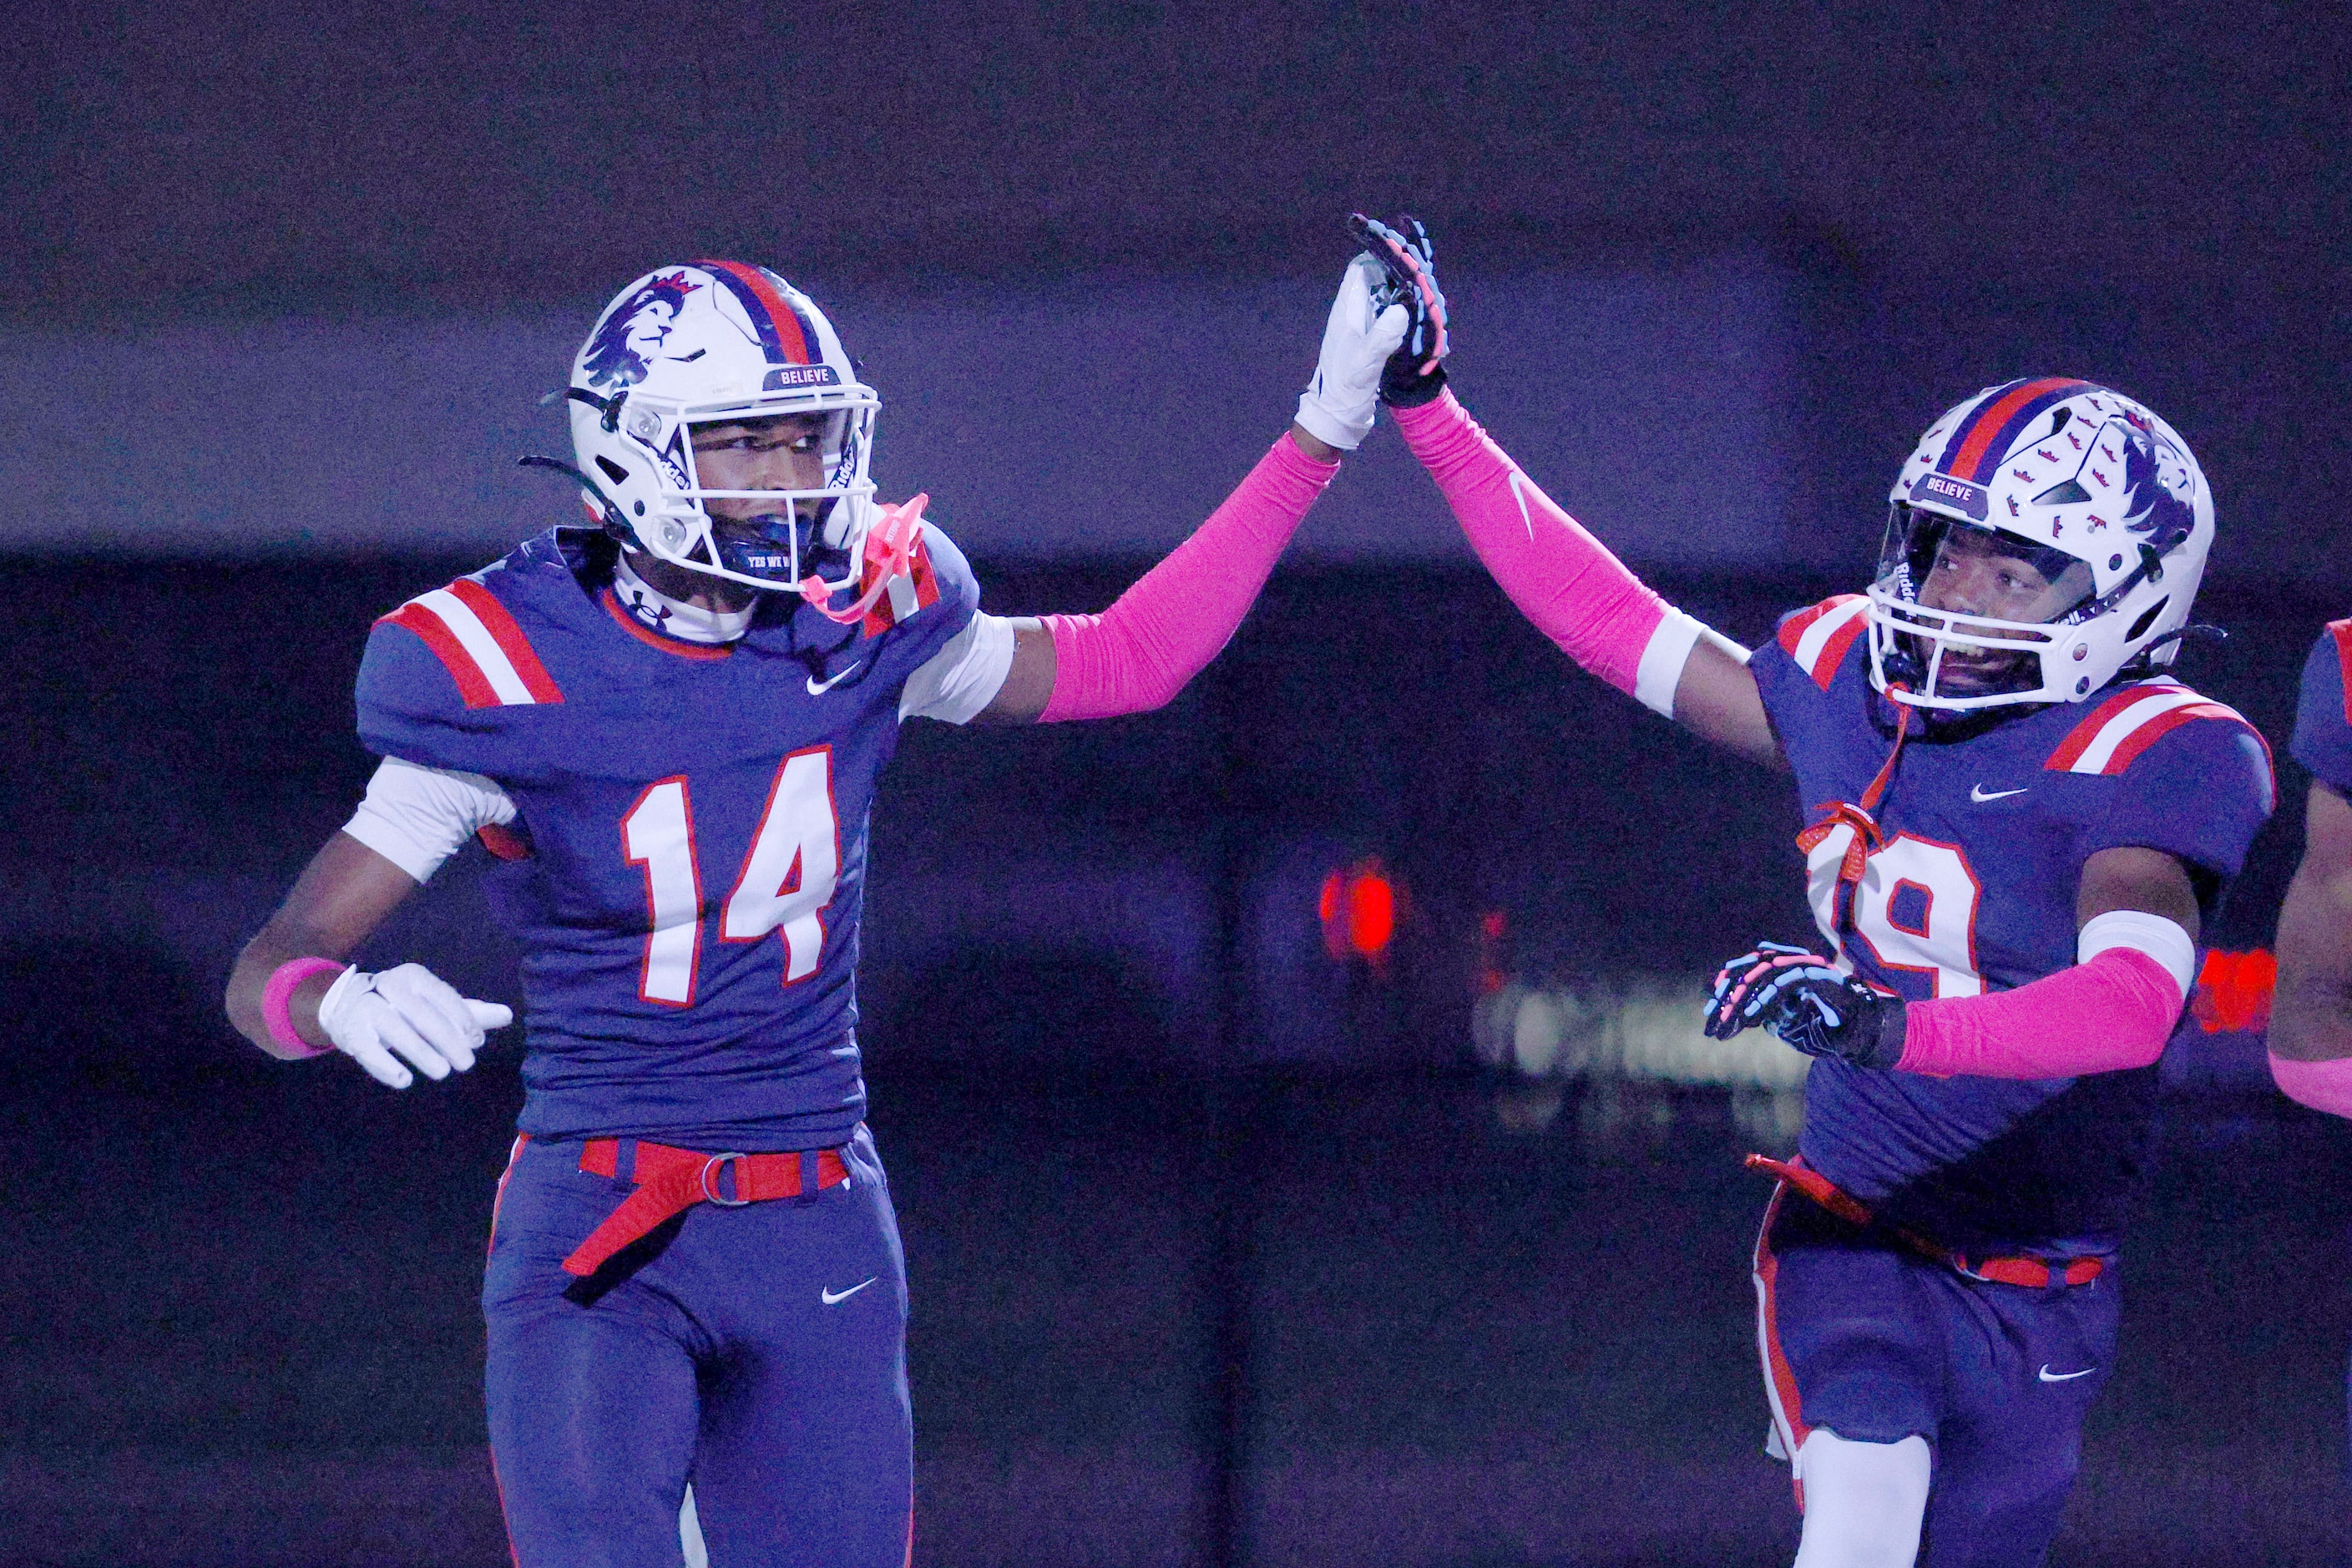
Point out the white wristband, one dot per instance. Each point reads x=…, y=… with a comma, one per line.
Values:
x=1660, y=673
x=2160, y=939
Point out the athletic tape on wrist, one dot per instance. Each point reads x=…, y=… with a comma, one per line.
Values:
x=278, y=996
x=2160, y=939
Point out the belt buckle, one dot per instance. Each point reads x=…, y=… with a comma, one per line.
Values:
x=710, y=1189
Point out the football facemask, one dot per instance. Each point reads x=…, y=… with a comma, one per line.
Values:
x=1974, y=610
x=713, y=343
x=775, y=536
x=2046, y=535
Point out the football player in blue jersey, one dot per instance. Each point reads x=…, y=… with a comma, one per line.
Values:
x=2311, y=1013
x=2020, y=822
x=668, y=724
x=2311, y=1016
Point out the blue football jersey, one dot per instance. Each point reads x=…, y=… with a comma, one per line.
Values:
x=1983, y=831
x=687, y=862
x=2323, y=714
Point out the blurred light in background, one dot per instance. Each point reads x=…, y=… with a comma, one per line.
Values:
x=2233, y=991
x=1632, y=1047
x=1492, y=929
x=1358, y=911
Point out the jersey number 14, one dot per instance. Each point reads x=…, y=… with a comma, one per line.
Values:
x=786, y=882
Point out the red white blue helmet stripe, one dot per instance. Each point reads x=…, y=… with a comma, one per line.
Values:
x=1979, y=442
x=783, y=333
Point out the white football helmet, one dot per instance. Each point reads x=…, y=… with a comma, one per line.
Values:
x=714, y=341
x=2099, y=495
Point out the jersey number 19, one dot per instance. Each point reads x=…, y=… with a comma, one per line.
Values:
x=786, y=882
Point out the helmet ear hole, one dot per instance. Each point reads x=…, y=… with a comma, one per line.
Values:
x=2147, y=618
x=613, y=470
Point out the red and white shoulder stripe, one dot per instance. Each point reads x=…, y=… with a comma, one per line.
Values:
x=2342, y=632
x=1819, y=637
x=2112, y=736
x=477, y=640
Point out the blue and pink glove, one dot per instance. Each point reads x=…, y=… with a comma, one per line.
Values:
x=1413, y=375
x=1814, y=1006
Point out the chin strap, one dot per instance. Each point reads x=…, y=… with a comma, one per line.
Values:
x=614, y=521
x=2198, y=632
x=890, y=553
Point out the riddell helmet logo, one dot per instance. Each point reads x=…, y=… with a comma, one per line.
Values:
x=1948, y=491
x=784, y=378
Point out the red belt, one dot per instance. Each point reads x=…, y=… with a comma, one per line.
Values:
x=2033, y=1273
x=672, y=1181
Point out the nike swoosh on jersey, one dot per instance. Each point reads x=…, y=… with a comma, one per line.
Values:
x=1981, y=794
x=2046, y=1375
x=819, y=687
x=1519, y=494
x=832, y=1297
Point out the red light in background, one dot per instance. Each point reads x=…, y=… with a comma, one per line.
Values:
x=1371, y=913
x=1490, y=952
x=1358, y=908
x=2233, y=992
x=1326, y=908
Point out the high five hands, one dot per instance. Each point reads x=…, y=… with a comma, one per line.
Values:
x=1385, y=337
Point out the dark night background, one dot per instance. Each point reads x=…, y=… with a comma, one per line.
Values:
x=1220, y=1251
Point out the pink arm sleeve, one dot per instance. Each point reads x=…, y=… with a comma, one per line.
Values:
x=1560, y=577
x=2114, y=1012
x=2323, y=1086
x=1162, y=631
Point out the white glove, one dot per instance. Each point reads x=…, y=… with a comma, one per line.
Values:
x=1337, y=407
x=412, y=1011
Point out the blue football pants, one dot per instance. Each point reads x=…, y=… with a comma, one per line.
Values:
x=1867, y=1338
x=758, y=1352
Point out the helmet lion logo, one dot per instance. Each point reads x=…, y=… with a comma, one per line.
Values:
x=634, y=332
x=2150, y=506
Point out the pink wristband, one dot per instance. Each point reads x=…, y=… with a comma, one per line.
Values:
x=278, y=993
x=2323, y=1086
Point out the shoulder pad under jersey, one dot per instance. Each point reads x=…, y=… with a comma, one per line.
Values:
x=1818, y=639
x=2322, y=711
x=2117, y=733
x=2191, y=776
x=477, y=640
x=443, y=673
x=937, y=574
